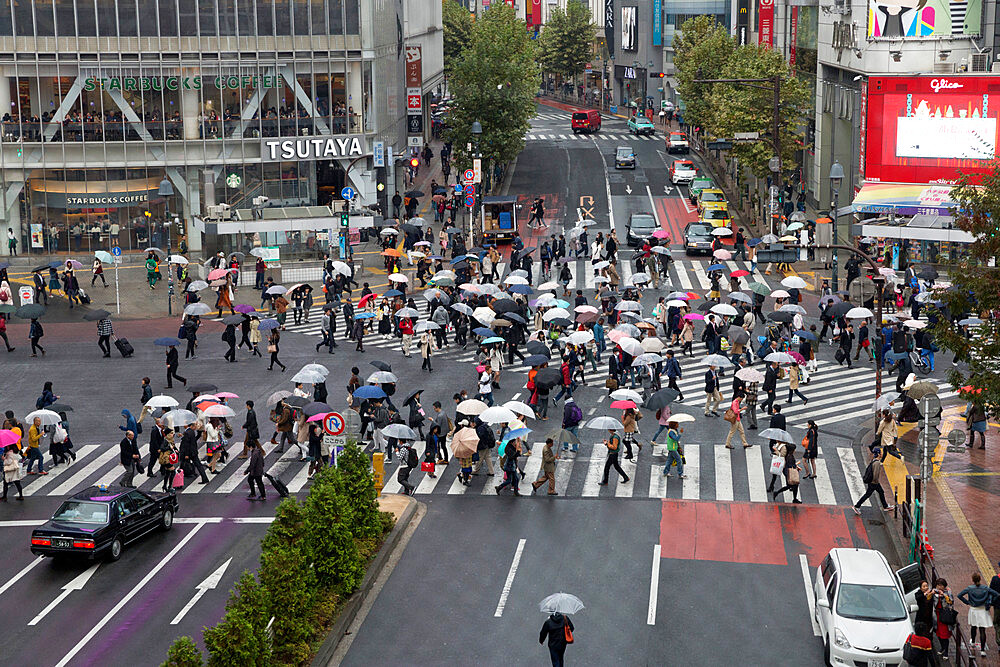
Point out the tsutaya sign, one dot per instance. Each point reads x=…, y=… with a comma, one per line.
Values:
x=314, y=148
x=231, y=82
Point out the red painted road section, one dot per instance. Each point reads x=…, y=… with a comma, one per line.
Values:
x=765, y=534
x=673, y=216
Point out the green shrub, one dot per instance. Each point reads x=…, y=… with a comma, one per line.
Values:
x=183, y=653
x=358, y=486
x=241, y=637
x=328, y=533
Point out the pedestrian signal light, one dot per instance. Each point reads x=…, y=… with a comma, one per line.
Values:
x=414, y=162
x=147, y=214
x=380, y=187
x=345, y=219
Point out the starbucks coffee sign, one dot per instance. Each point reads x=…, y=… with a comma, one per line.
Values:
x=139, y=83
x=314, y=148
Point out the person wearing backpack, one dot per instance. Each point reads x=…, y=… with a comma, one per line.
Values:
x=559, y=631
x=409, y=462
x=675, y=452
x=872, y=478
x=613, y=443
x=572, y=416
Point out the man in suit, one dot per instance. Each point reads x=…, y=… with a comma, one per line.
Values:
x=173, y=363
x=673, y=370
x=155, y=442
x=770, y=386
x=712, y=394
x=189, y=454
x=129, y=458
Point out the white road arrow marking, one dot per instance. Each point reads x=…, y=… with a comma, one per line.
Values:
x=211, y=582
x=78, y=583
x=667, y=189
x=628, y=189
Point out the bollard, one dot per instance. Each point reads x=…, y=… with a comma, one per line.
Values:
x=378, y=472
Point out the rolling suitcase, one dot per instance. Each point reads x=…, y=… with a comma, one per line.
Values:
x=278, y=485
x=124, y=347
x=84, y=299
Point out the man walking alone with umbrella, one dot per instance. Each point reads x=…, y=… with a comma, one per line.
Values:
x=558, y=627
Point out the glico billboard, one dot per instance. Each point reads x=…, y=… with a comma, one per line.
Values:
x=928, y=129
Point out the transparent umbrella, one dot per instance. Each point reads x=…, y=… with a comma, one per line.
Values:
x=562, y=603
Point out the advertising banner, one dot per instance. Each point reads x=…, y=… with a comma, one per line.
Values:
x=742, y=22
x=629, y=21
x=793, y=35
x=609, y=25
x=765, y=22
x=927, y=129
x=657, y=22
x=926, y=18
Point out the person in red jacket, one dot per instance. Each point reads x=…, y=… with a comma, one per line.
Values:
x=918, y=649
x=406, y=329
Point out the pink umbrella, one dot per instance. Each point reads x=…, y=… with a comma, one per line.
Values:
x=318, y=418
x=622, y=405
x=661, y=234
x=73, y=264
x=739, y=273
x=799, y=359
x=694, y=316
x=8, y=438
x=227, y=394
x=244, y=308
x=216, y=274
x=722, y=254
x=615, y=336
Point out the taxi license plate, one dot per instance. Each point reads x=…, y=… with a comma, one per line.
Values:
x=876, y=663
x=62, y=543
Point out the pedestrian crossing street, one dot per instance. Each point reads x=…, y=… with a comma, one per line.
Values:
x=711, y=472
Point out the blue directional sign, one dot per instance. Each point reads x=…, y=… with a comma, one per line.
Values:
x=347, y=193
x=116, y=251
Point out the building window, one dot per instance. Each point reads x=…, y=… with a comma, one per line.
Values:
x=86, y=19
x=353, y=19
x=6, y=24
x=128, y=24
x=282, y=17
x=107, y=18
x=206, y=18
x=244, y=18
x=65, y=18
x=24, y=20
x=335, y=10
x=227, y=17
x=168, y=18
x=188, y=11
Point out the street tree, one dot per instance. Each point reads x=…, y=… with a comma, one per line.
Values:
x=740, y=108
x=494, y=82
x=975, y=289
x=457, y=23
x=702, y=51
x=567, y=41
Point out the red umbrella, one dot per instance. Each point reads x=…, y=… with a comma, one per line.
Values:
x=799, y=359
x=739, y=273
x=366, y=298
x=622, y=405
x=661, y=234
x=216, y=274
x=693, y=295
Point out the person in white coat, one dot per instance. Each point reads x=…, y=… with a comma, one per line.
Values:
x=12, y=472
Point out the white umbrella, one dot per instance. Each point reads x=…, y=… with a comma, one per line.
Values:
x=484, y=315
x=652, y=344
x=792, y=308
x=915, y=324
x=318, y=368
x=605, y=423
x=780, y=357
x=779, y=294
x=399, y=278
x=276, y=289
x=676, y=303
x=630, y=346
x=716, y=360
x=681, y=418
x=341, y=268
x=176, y=418
x=794, y=282
x=162, y=401
x=399, y=431
x=516, y=280
x=556, y=313
x=387, y=231
x=445, y=273
x=219, y=410
x=580, y=337
x=722, y=231
x=629, y=305
x=426, y=326
x=551, y=284
x=639, y=278
x=48, y=417
x=177, y=259
x=884, y=401
x=859, y=313
x=520, y=408
x=563, y=603
x=647, y=358
x=407, y=312
x=603, y=264
x=462, y=308
x=471, y=406
x=309, y=377
x=520, y=273
x=382, y=377
x=779, y=434
x=724, y=309
x=626, y=395
x=197, y=286
x=750, y=375
x=497, y=414
x=586, y=309
x=197, y=309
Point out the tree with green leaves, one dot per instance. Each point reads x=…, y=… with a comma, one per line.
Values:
x=567, y=40
x=241, y=637
x=183, y=653
x=328, y=532
x=457, y=23
x=975, y=292
x=701, y=51
x=358, y=487
x=741, y=108
x=494, y=82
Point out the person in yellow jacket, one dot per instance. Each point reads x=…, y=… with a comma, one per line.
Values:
x=35, y=432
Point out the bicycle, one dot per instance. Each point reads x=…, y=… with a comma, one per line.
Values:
x=920, y=363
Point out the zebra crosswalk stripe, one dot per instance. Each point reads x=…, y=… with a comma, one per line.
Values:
x=56, y=472
x=723, y=474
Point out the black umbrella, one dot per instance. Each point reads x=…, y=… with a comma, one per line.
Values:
x=538, y=347
x=316, y=408
x=409, y=229
x=381, y=365
x=30, y=311
x=461, y=265
x=514, y=317
x=562, y=322
x=331, y=306
x=738, y=336
x=781, y=316
x=928, y=273
x=705, y=306
x=548, y=378
x=297, y=401
x=661, y=399
x=203, y=388
x=59, y=407
x=839, y=309
x=412, y=395
x=414, y=193
x=829, y=298
x=95, y=315
x=535, y=360
x=505, y=306
x=43, y=267
x=233, y=319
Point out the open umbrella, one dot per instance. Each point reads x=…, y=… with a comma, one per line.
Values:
x=268, y=324
x=622, y=405
x=104, y=256
x=778, y=434
x=176, y=418
x=198, y=309
x=716, y=360
x=792, y=308
x=781, y=316
x=652, y=344
x=8, y=437
x=535, y=360
x=219, y=410
x=547, y=378
x=379, y=364
x=739, y=296
x=724, y=309
x=603, y=422
x=157, y=251
x=60, y=407
x=232, y=319
x=856, y=313
x=471, y=406
x=918, y=390
x=48, y=417
x=462, y=308
x=369, y=391
x=561, y=603
x=519, y=408
x=276, y=289
x=497, y=414
x=30, y=311
x=177, y=259
x=167, y=341
x=759, y=288
x=309, y=377
x=538, y=347
x=722, y=231
x=465, y=442
x=562, y=435
x=97, y=315
x=162, y=401
x=197, y=286
x=630, y=346
x=780, y=357
x=884, y=401
x=841, y=309
x=399, y=431
x=382, y=377
x=426, y=326
x=793, y=282
x=750, y=375
x=626, y=395
x=278, y=395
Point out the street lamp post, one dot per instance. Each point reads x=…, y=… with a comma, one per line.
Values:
x=774, y=165
x=836, y=178
x=166, y=191
x=477, y=131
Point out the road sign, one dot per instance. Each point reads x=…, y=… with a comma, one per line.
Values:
x=414, y=142
x=334, y=423
x=746, y=136
x=929, y=437
x=468, y=174
x=930, y=406
x=414, y=123
x=116, y=251
x=347, y=193
x=470, y=201
x=956, y=439
x=720, y=145
x=470, y=189
x=477, y=170
x=26, y=294
x=378, y=153
x=353, y=421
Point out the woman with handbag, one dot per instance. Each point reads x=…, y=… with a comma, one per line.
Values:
x=945, y=611
x=273, y=349
x=811, y=447
x=792, y=477
x=167, y=458
x=431, y=446
x=778, y=451
x=255, y=335
x=732, y=416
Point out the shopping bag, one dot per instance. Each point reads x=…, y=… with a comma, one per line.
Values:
x=427, y=466
x=777, y=464
x=178, y=482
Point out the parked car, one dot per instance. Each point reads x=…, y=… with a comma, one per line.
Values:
x=639, y=125
x=698, y=183
x=677, y=142
x=624, y=157
x=101, y=521
x=716, y=214
x=697, y=238
x=640, y=226
x=682, y=171
x=863, y=609
x=586, y=121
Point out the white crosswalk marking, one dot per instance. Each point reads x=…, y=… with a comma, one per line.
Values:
x=299, y=480
x=824, y=489
x=84, y=473
x=392, y=485
x=591, y=485
x=755, y=474
x=692, y=472
x=682, y=276
x=625, y=489
x=564, y=469
x=657, y=482
x=56, y=472
x=723, y=474
x=702, y=276
x=853, y=474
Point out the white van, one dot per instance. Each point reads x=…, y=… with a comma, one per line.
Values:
x=864, y=610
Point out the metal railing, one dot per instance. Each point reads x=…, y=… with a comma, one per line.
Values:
x=910, y=522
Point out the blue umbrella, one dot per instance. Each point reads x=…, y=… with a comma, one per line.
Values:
x=519, y=289
x=460, y=258
x=393, y=292
x=268, y=324
x=493, y=339
x=55, y=265
x=562, y=303
x=717, y=267
x=808, y=335
x=516, y=433
x=753, y=242
x=435, y=257
x=483, y=331
x=364, y=316
x=167, y=341
x=369, y=391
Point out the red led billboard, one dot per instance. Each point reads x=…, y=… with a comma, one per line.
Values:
x=927, y=129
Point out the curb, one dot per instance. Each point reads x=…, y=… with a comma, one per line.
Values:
x=325, y=653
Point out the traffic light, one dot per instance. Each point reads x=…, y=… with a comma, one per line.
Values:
x=656, y=75
x=147, y=214
x=380, y=179
x=345, y=219
x=414, y=162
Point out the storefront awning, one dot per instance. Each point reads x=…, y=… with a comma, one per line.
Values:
x=72, y=195
x=904, y=199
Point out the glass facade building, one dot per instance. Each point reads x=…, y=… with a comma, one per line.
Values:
x=101, y=100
